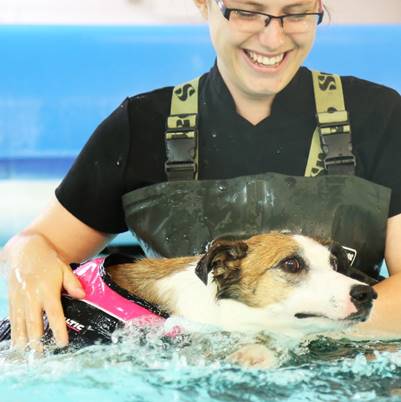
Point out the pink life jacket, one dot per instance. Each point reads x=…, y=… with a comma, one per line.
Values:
x=106, y=305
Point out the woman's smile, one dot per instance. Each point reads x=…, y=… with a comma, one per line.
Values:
x=261, y=62
x=263, y=59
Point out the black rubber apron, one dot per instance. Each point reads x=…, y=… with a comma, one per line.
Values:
x=179, y=218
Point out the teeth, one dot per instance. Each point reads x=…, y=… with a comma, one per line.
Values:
x=266, y=61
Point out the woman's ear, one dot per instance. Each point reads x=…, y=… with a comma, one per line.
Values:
x=203, y=6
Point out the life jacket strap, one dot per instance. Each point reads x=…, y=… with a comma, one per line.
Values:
x=181, y=136
x=331, y=147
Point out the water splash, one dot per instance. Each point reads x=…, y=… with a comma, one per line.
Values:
x=143, y=365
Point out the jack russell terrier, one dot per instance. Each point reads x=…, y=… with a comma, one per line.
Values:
x=275, y=282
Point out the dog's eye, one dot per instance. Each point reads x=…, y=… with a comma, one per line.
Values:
x=292, y=264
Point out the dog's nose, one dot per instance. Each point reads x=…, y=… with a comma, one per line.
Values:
x=362, y=295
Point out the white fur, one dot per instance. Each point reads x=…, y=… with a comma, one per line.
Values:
x=189, y=295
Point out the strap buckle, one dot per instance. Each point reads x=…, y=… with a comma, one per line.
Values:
x=338, y=150
x=181, y=145
x=180, y=167
x=180, y=170
x=335, y=137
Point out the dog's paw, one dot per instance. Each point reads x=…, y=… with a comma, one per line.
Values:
x=254, y=355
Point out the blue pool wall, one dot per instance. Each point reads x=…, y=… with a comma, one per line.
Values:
x=58, y=83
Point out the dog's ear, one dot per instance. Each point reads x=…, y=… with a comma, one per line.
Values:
x=223, y=258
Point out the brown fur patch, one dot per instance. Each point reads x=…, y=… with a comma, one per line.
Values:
x=257, y=284
x=140, y=277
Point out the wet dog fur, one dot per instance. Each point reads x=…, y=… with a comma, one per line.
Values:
x=279, y=283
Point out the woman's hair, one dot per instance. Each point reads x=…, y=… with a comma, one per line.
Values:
x=327, y=12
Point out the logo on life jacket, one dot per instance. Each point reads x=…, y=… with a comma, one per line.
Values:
x=351, y=254
x=74, y=325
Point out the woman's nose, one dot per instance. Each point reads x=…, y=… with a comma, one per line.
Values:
x=273, y=36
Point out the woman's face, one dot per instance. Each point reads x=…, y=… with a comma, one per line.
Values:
x=237, y=51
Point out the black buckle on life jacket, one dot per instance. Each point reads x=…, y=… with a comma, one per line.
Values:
x=181, y=147
x=335, y=137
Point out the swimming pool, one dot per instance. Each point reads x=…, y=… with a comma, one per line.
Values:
x=134, y=370
x=147, y=368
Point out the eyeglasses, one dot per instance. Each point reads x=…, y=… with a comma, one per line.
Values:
x=254, y=21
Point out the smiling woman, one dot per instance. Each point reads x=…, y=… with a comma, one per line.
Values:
x=229, y=164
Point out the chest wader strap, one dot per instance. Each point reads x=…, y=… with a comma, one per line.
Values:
x=182, y=133
x=331, y=147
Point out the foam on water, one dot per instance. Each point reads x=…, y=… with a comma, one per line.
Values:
x=141, y=365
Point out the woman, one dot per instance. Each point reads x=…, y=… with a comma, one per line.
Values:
x=257, y=114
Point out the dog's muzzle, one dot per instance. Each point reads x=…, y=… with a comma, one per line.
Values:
x=362, y=297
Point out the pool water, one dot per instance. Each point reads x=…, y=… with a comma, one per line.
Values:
x=142, y=365
x=129, y=371
x=150, y=368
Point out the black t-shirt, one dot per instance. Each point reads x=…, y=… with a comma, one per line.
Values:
x=127, y=150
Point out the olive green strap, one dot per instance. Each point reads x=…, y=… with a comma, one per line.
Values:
x=331, y=147
x=182, y=133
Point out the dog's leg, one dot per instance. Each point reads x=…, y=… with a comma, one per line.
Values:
x=254, y=355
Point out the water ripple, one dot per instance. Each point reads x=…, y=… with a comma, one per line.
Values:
x=144, y=366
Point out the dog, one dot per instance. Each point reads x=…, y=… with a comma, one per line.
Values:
x=282, y=284
x=274, y=282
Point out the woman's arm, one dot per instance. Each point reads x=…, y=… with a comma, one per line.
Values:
x=385, y=318
x=37, y=261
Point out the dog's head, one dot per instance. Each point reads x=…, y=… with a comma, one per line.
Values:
x=288, y=282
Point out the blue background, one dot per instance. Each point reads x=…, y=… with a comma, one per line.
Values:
x=58, y=83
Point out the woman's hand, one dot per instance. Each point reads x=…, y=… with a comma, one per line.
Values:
x=37, y=262
x=37, y=276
